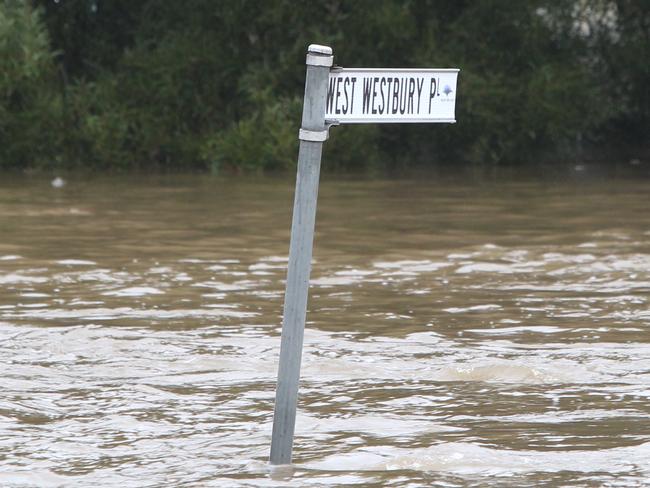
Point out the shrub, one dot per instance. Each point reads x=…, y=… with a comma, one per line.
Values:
x=31, y=105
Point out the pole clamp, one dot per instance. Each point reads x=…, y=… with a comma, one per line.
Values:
x=319, y=60
x=318, y=55
x=313, y=135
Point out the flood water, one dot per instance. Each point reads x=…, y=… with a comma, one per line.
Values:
x=461, y=331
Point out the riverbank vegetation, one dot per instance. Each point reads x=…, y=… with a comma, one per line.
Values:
x=207, y=85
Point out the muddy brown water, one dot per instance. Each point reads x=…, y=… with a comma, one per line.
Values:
x=462, y=331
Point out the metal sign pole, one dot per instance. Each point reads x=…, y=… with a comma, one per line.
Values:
x=312, y=135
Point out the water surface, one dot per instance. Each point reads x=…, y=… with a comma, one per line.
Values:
x=461, y=331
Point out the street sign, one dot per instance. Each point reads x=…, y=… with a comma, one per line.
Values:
x=338, y=96
x=384, y=95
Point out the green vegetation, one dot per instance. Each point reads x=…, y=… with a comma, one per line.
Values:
x=210, y=85
x=30, y=104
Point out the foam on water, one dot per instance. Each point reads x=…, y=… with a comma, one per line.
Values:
x=467, y=458
x=135, y=291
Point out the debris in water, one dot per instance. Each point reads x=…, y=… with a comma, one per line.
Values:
x=58, y=182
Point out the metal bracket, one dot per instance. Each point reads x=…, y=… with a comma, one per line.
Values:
x=313, y=135
x=316, y=60
x=318, y=135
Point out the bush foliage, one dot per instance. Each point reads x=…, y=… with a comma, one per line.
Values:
x=212, y=85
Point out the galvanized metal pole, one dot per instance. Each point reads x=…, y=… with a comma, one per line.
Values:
x=312, y=135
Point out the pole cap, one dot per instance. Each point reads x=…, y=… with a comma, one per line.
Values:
x=319, y=49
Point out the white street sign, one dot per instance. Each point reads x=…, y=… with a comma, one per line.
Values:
x=384, y=95
x=347, y=96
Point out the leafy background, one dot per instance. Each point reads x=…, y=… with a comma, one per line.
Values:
x=205, y=85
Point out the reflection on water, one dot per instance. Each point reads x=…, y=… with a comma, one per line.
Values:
x=459, y=332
